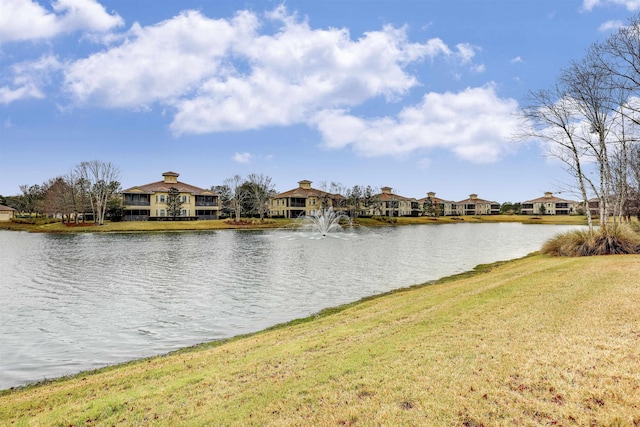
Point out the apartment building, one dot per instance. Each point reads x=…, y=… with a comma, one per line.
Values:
x=549, y=205
x=476, y=206
x=149, y=201
x=301, y=201
x=391, y=204
x=435, y=206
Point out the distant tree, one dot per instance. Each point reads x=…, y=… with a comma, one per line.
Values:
x=431, y=207
x=238, y=194
x=174, y=203
x=58, y=199
x=354, y=200
x=79, y=188
x=100, y=180
x=370, y=199
x=15, y=202
x=3, y=200
x=550, y=116
x=224, y=196
x=259, y=191
x=32, y=199
x=115, y=207
x=510, y=208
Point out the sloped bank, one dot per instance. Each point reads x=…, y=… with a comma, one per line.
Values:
x=539, y=340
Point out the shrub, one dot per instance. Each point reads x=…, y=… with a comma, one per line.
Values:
x=618, y=239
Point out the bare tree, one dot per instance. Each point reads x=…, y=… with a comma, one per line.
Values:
x=238, y=196
x=549, y=115
x=102, y=180
x=594, y=100
x=260, y=191
x=58, y=199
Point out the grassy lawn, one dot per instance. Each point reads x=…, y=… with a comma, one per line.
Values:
x=536, y=341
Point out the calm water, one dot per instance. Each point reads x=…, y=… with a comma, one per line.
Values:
x=82, y=301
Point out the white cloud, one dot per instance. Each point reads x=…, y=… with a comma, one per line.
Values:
x=611, y=26
x=630, y=5
x=22, y=20
x=299, y=71
x=475, y=124
x=466, y=52
x=244, y=158
x=222, y=74
x=28, y=80
x=158, y=63
x=517, y=60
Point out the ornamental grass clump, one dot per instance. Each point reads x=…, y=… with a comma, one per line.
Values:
x=614, y=240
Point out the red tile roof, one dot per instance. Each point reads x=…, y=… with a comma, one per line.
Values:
x=553, y=199
x=161, y=186
x=303, y=192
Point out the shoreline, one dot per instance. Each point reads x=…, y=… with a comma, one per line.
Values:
x=477, y=270
x=535, y=340
x=207, y=225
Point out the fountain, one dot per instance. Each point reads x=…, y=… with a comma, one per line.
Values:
x=324, y=222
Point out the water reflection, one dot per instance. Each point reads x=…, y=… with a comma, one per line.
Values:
x=80, y=301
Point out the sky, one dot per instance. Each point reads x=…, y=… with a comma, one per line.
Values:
x=416, y=95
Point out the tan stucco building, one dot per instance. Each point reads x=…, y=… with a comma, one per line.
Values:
x=390, y=204
x=549, y=205
x=149, y=201
x=301, y=201
x=6, y=213
x=435, y=206
x=476, y=206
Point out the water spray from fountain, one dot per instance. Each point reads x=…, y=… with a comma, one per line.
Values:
x=324, y=222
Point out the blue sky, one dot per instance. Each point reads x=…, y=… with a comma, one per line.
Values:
x=418, y=95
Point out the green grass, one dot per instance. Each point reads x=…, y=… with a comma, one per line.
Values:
x=536, y=341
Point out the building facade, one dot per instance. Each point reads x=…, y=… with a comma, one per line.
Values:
x=435, y=206
x=301, y=201
x=476, y=206
x=6, y=213
x=149, y=201
x=390, y=204
x=549, y=205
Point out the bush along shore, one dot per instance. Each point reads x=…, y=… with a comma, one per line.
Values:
x=536, y=341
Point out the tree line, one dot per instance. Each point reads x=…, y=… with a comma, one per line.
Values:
x=89, y=187
x=589, y=120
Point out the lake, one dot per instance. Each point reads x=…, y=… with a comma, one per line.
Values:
x=73, y=302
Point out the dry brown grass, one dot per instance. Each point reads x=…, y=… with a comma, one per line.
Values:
x=538, y=341
x=616, y=240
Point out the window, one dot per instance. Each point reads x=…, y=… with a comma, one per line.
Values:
x=162, y=212
x=184, y=199
x=162, y=199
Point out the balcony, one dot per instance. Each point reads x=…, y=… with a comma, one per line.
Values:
x=206, y=201
x=137, y=200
